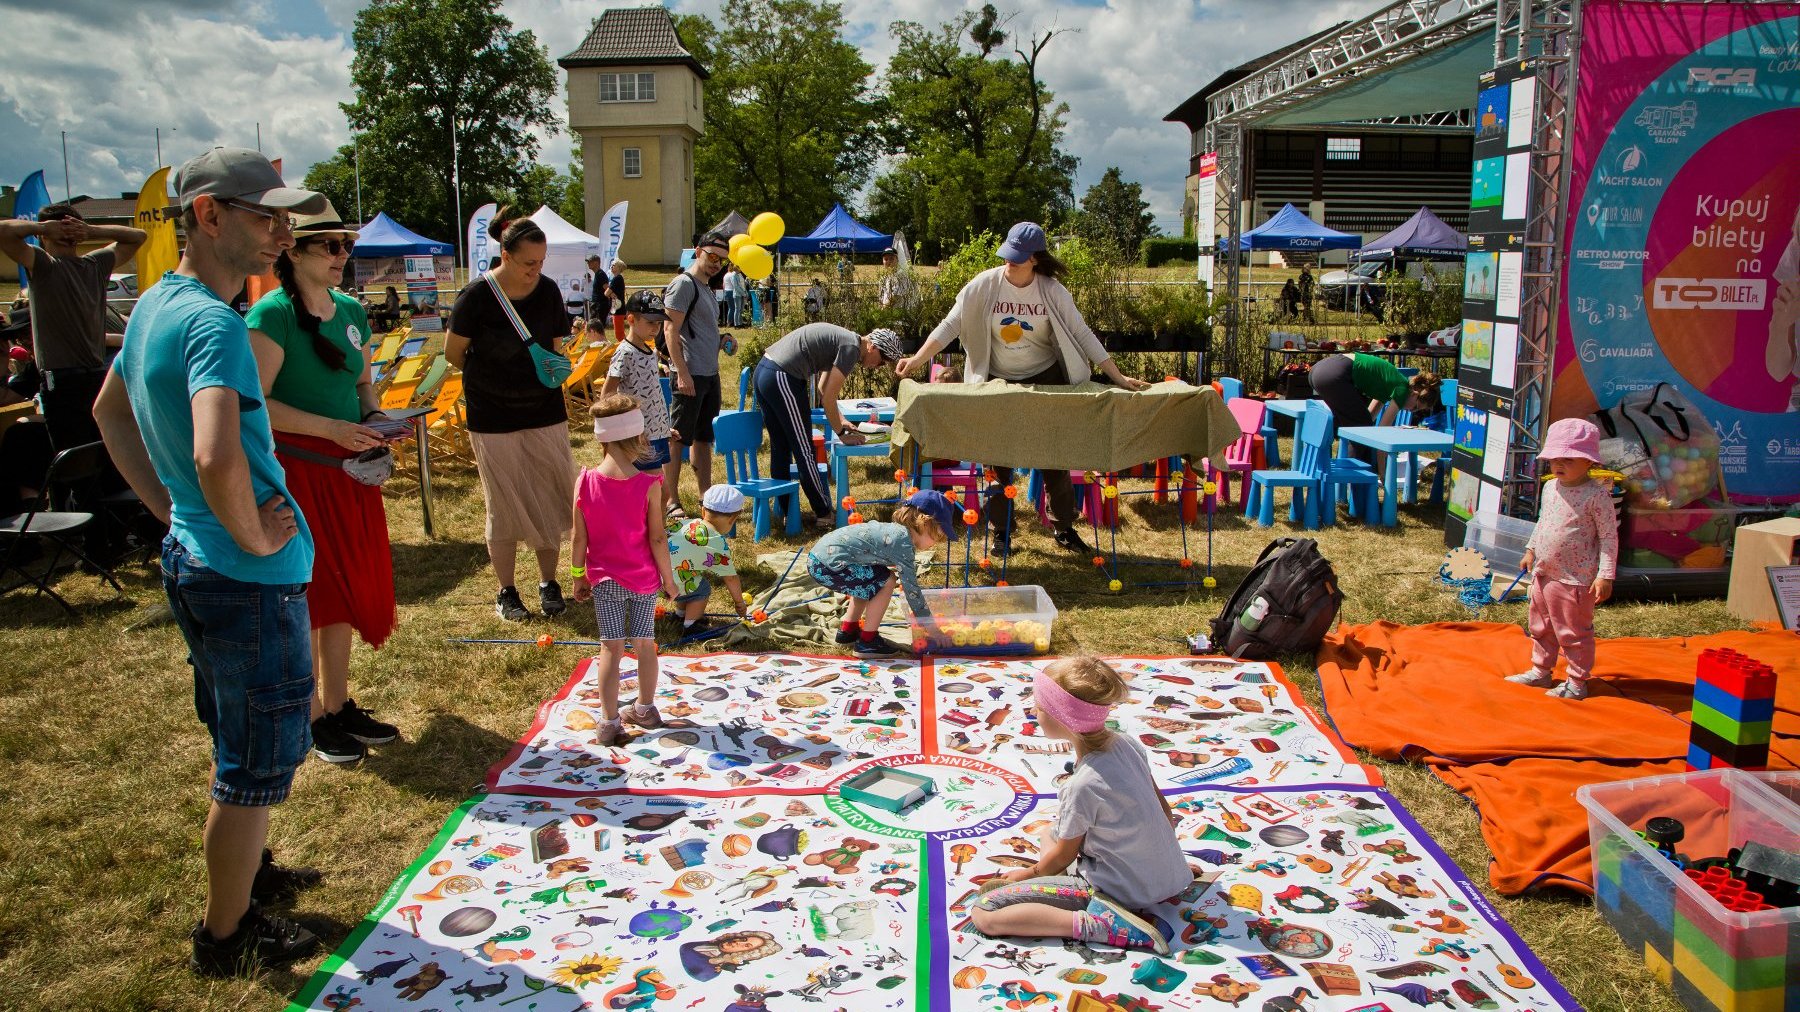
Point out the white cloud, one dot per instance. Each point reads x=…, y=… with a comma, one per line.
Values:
x=1121, y=68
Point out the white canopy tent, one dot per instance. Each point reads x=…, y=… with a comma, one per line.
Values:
x=566, y=260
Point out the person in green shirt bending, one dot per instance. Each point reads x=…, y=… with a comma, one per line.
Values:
x=1369, y=390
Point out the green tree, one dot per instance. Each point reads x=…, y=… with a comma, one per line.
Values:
x=422, y=66
x=540, y=186
x=1115, y=216
x=791, y=121
x=977, y=134
x=574, y=202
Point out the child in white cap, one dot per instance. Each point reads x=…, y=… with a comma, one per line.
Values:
x=1572, y=558
x=701, y=548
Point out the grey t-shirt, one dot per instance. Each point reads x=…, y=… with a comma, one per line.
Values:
x=1130, y=851
x=816, y=348
x=68, y=309
x=700, y=331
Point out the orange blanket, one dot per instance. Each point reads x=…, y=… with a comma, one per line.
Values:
x=1437, y=693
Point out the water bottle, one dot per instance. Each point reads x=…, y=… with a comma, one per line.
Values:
x=1253, y=615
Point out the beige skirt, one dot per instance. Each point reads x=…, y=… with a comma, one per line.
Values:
x=528, y=480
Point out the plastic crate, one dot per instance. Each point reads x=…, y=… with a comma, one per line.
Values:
x=987, y=621
x=1713, y=958
x=1696, y=538
x=1500, y=539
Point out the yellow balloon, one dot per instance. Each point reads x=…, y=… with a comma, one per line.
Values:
x=738, y=242
x=767, y=228
x=755, y=262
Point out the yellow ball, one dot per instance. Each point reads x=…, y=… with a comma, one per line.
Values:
x=1210, y=488
x=1115, y=586
x=1209, y=583
x=748, y=597
x=1042, y=646
x=1110, y=492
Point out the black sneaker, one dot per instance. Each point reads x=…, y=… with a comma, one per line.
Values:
x=261, y=939
x=1071, y=540
x=361, y=724
x=876, y=647
x=550, y=599
x=845, y=637
x=333, y=745
x=277, y=884
x=508, y=606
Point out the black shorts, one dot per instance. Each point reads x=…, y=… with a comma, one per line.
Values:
x=693, y=414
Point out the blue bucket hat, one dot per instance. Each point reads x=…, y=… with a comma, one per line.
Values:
x=1024, y=239
x=933, y=504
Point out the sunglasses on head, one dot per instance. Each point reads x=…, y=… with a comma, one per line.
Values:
x=335, y=247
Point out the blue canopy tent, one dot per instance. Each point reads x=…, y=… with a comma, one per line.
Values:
x=385, y=237
x=1290, y=229
x=837, y=232
x=1424, y=236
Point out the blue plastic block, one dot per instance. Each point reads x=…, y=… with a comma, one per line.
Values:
x=1744, y=711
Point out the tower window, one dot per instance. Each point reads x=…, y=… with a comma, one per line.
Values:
x=634, y=163
x=628, y=87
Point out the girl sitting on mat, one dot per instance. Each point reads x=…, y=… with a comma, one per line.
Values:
x=1112, y=826
x=621, y=554
x=1572, y=557
x=865, y=561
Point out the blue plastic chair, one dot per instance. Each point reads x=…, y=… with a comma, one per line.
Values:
x=1311, y=457
x=746, y=392
x=1348, y=471
x=737, y=436
x=1230, y=389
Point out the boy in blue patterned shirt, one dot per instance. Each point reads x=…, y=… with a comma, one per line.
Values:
x=699, y=549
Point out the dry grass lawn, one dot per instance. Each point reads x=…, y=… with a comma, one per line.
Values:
x=100, y=868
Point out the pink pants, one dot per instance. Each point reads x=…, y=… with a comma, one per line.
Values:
x=1562, y=616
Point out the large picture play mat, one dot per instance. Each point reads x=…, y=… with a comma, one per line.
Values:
x=809, y=832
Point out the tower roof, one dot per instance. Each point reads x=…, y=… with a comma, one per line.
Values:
x=632, y=35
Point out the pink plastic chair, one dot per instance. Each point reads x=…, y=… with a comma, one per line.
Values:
x=1240, y=456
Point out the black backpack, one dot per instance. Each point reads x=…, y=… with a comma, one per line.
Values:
x=1295, y=591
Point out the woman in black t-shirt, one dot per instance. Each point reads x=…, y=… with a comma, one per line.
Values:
x=518, y=426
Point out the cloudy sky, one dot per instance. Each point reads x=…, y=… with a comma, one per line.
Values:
x=108, y=73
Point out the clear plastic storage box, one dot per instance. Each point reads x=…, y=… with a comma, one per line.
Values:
x=1500, y=539
x=1715, y=958
x=986, y=621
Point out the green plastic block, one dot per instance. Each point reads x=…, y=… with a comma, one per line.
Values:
x=1731, y=730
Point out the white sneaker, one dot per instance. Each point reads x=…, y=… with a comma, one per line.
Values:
x=1574, y=688
x=607, y=731
x=1531, y=678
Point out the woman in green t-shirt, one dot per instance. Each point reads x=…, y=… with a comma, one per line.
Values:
x=311, y=346
x=1370, y=390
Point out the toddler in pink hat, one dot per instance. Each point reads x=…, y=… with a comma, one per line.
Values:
x=1572, y=557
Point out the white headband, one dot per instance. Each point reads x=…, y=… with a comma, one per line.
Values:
x=624, y=425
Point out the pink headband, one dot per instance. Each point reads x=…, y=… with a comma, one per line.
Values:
x=624, y=425
x=1076, y=714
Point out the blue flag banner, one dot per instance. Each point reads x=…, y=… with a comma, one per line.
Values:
x=33, y=197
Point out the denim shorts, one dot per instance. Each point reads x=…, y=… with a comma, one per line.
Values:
x=700, y=593
x=857, y=580
x=658, y=456
x=250, y=645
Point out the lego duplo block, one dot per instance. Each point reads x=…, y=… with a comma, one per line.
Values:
x=1738, y=708
x=1700, y=759
x=1746, y=680
x=1743, y=756
x=1659, y=967
x=1720, y=993
x=1645, y=887
x=1695, y=999
x=1707, y=934
x=1735, y=732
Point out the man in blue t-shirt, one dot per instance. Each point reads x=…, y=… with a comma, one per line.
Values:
x=183, y=416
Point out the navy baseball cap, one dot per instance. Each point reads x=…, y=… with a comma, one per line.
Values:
x=933, y=504
x=1024, y=239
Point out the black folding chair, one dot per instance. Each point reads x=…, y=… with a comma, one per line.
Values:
x=72, y=466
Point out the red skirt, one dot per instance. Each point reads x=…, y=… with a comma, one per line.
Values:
x=353, y=566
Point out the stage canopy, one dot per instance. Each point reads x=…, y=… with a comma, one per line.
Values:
x=837, y=232
x=565, y=261
x=732, y=224
x=385, y=237
x=1291, y=230
x=1424, y=236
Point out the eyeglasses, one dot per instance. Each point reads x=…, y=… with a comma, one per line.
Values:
x=335, y=247
x=714, y=256
x=279, y=221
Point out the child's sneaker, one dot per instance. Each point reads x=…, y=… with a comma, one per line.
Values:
x=1574, y=688
x=876, y=647
x=261, y=940
x=550, y=599
x=1107, y=921
x=1532, y=677
x=642, y=715
x=845, y=637
x=607, y=731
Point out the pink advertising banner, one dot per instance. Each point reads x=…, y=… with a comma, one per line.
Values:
x=1683, y=236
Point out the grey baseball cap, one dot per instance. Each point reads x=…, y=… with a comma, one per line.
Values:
x=241, y=174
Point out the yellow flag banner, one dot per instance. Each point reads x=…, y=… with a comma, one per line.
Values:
x=158, y=255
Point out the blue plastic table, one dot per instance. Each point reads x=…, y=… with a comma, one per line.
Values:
x=841, y=453
x=881, y=408
x=1393, y=440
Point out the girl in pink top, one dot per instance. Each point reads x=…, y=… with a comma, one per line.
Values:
x=621, y=559
x=1572, y=557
